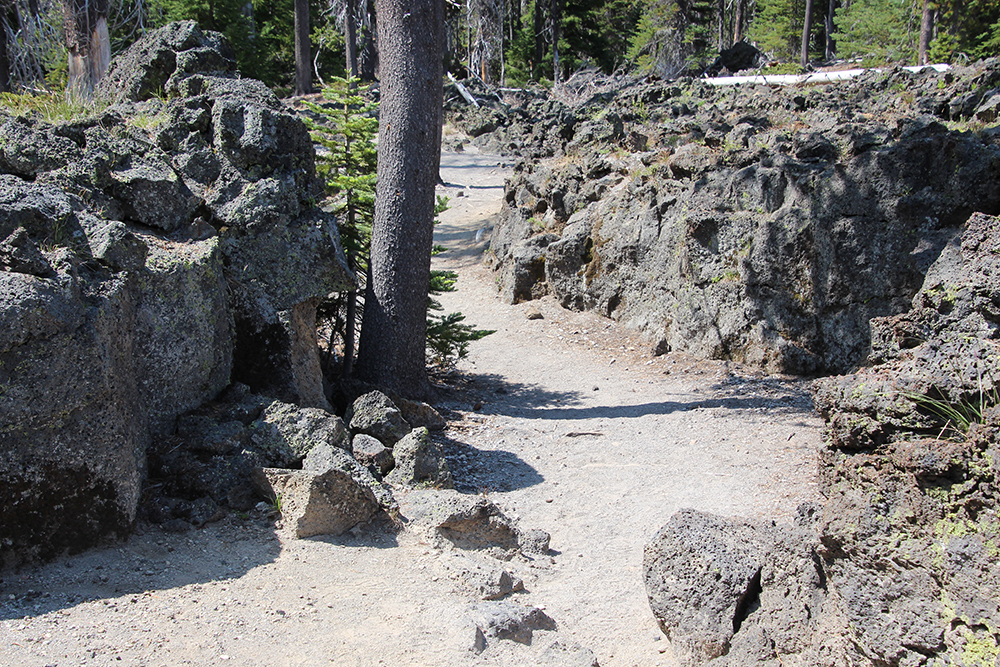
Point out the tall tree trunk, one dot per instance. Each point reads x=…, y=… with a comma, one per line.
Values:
x=739, y=20
x=351, y=38
x=556, y=17
x=831, y=46
x=539, y=39
x=368, y=52
x=806, y=29
x=393, y=338
x=722, y=24
x=926, y=29
x=86, y=27
x=303, y=69
x=9, y=16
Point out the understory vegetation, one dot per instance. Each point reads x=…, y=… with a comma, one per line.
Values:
x=508, y=43
x=346, y=127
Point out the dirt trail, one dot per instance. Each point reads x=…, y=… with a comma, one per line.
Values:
x=566, y=422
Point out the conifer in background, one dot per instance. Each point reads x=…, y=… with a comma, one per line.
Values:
x=879, y=31
x=777, y=28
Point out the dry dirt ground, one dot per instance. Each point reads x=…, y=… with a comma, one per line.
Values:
x=566, y=422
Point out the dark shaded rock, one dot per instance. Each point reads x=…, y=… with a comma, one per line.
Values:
x=372, y=454
x=814, y=146
x=19, y=254
x=205, y=434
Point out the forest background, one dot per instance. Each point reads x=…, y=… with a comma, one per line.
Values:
x=503, y=42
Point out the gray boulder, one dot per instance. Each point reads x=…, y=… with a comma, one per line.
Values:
x=372, y=454
x=286, y=433
x=183, y=329
x=146, y=69
x=325, y=457
x=418, y=413
x=316, y=503
x=419, y=460
x=28, y=148
x=376, y=415
x=734, y=592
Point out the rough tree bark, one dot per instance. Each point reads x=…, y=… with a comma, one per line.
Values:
x=85, y=23
x=831, y=46
x=368, y=49
x=926, y=29
x=9, y=15
x=556, y=17
x=739, y=21
x=351, y=38
x=393, y=336
x=303, y=63
x=539, y=40
x=722, y=24
x=806, y=29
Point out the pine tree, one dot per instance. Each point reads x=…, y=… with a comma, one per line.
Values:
x=675, y=35
x=348, y=166
x=880, y=30
x=777, y=27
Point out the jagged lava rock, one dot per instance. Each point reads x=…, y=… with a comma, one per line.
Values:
x=376, y=415
x=150, y=255
x=419, y=460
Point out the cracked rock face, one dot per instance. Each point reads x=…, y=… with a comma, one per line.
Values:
x=764, y=226
x=713, y=581
x=899, y=566
x=149, y=255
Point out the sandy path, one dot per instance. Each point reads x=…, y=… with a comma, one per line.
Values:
x=580, y=433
